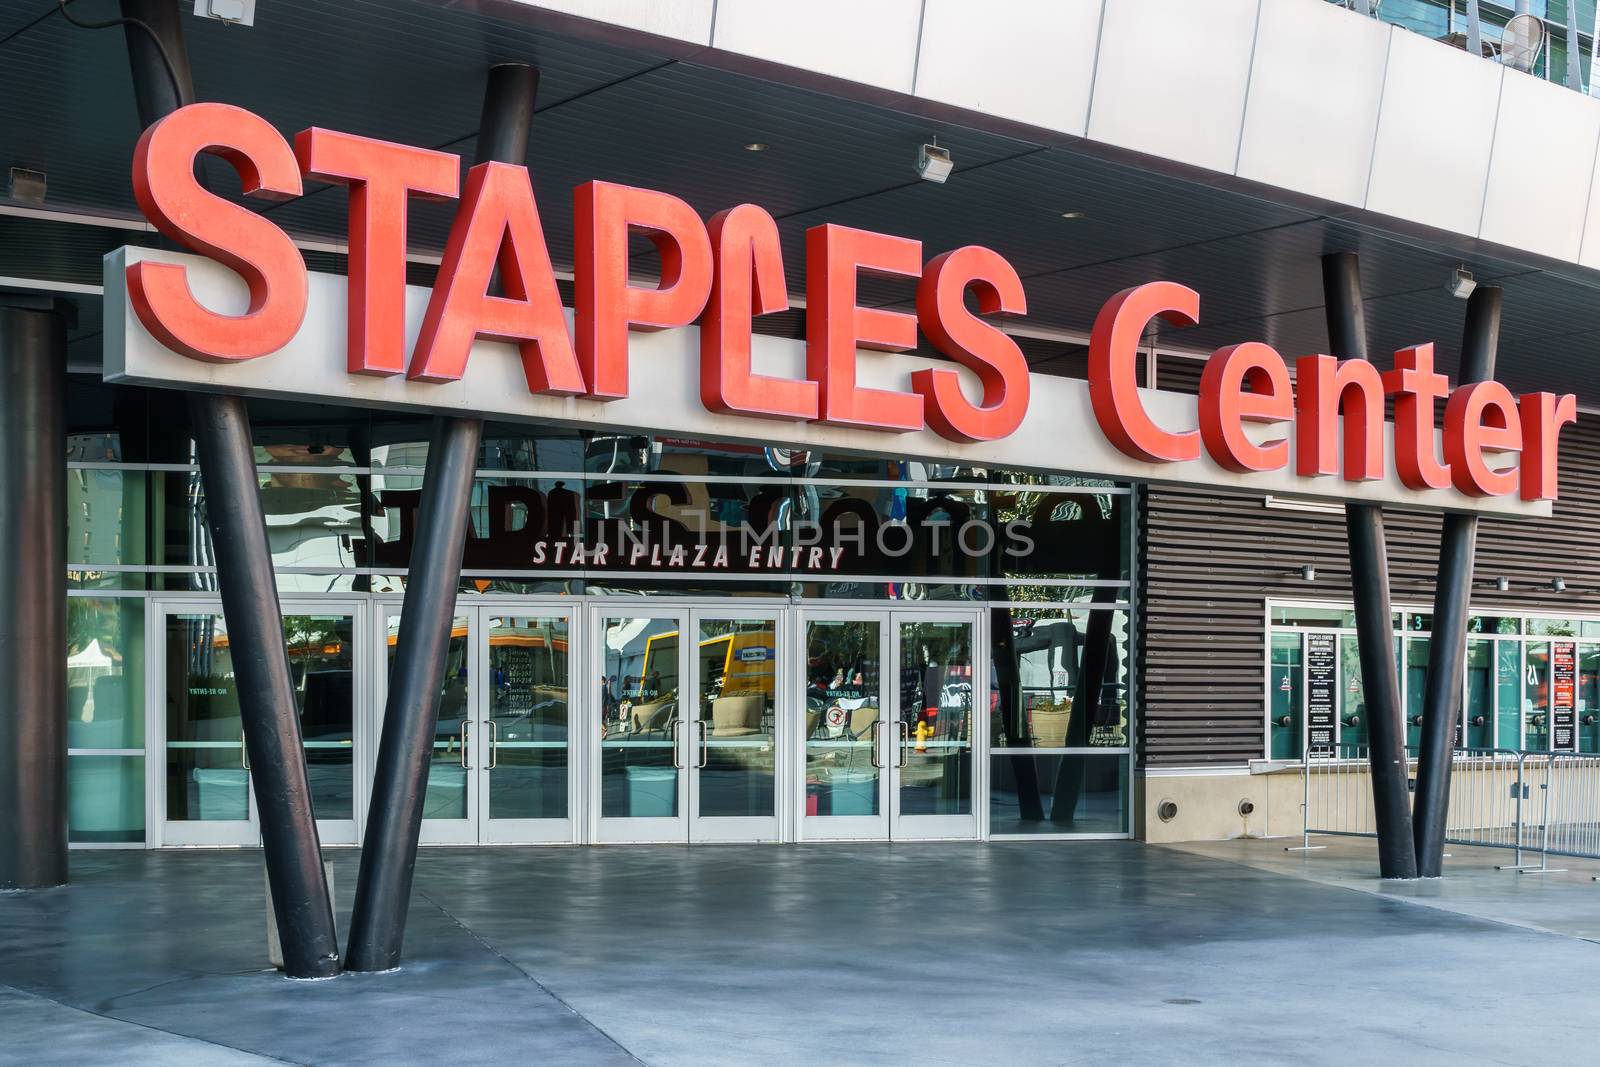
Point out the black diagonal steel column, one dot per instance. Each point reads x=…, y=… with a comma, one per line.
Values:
x=267, y=705
x=1369, y=581
x=33, y=594
x=1458, y=542
x=394, y=821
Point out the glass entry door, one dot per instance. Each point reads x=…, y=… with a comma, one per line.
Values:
x=205, y=793
x=936, y=718
x=500, y=767
x=889, y=752
x=688, y=710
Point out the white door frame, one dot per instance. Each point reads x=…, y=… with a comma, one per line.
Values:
x=939, y=827
x=622, y=828
x=479, y=826
x=498, y=831
x=840, y=827
x=242, y=833
x=750, y=828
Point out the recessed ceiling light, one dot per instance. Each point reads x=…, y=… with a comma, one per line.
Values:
x=755, y=146
x=1072, y=214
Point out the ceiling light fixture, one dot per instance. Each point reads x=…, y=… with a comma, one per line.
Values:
x=934, y=163
x=1308, y=573
x=1559, y=585
x=1461, y=283
x=755, y=146
x=1502, y=584
x=1072, y=214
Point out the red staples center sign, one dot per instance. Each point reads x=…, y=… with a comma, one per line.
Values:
x=679, y=356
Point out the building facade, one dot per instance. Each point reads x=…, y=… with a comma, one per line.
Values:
x=731, y=634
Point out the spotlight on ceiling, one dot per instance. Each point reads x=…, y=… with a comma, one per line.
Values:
x=933, y=163
x=1502, y=584
x=1072, y=214
x=755, y=146
x=237, y=12
x=1308, y=573
x=1558, y=584
x=1461, y=283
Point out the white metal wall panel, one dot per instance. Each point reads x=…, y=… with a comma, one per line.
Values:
x=1435, y=133
x=1312, y=112
x=1539, y=174
x=874, y=42
x=1027, y=60
x=1171, y=78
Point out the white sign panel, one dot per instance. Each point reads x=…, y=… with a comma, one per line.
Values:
x=1058, y=435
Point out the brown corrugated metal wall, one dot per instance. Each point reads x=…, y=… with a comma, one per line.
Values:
x=1211, y=558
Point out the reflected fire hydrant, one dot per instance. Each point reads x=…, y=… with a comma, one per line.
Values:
x=924, y=731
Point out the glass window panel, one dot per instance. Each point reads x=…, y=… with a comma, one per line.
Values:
x=1334, y=618
x=738, y=679
x=105, y=517
x=1416, y=668
x=321, y=663
x=528, y=704
x=1479, y=696
x=446, y=794
x=842, y=673
x=1552, y=627
x=1536, y=697
x=935, y=717
x=105, y=799
x=1037, y=793
x=1508, y=694
x=105, y=672
x=313, y=520
x=1285, y=684
x=1494, y=624
x=1588, y=698
x=639, y=720
x=207, y=775
x=1039, y=682
x=1352, y=699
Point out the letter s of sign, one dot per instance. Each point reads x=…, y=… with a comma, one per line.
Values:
x=172, y=198
x=1113, y=370
x=975, y=344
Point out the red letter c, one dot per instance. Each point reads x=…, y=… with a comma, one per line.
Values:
x=1113, y=370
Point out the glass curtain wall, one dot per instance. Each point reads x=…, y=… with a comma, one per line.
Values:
x=1049, y=557
x=1532, y=682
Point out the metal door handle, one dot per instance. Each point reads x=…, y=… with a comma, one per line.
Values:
x=465, y=734
x=905, y=742
x=244, y=753
x=675, y=746
x=705, y=745
x=494, y=744
x=877, y=760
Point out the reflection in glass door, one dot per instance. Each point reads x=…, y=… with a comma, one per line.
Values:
x=208, y=798
x=933, y=727
x=733, y=771
x=524, y=781
x=639, y=784
x=499, y=767
x=207, y=775
x=449, y=806
x=845, y=780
